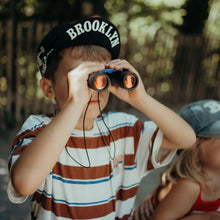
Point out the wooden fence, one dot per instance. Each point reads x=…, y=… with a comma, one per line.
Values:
x=174, y=68
x=20, y=94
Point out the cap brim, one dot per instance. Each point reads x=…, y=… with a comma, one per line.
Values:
x=211, y=131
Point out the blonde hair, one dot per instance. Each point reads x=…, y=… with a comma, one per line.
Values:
x=186, y=165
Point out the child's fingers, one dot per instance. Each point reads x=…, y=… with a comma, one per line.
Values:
x=77, y=79
x=117, y=63
x=121, y=64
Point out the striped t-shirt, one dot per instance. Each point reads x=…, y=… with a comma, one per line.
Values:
x=107, y=189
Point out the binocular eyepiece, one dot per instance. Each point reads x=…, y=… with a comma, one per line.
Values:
x=101, y=80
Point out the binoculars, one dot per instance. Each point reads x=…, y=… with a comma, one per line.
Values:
x=101, y=80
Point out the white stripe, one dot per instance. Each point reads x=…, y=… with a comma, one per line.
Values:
x=44, y=214
x=124, y=207
x=98, y=156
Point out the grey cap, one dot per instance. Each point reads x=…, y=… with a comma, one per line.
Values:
x=204, y=117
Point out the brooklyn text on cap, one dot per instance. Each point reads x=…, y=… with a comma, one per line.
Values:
x=204, y=117
x=89, y=31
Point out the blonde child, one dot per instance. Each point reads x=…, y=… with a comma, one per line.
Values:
x=190, y=186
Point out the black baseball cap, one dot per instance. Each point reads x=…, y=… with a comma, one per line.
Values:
x=88, y=31
x=204, y=117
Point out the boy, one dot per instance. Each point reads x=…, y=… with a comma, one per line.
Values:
x=77, y=164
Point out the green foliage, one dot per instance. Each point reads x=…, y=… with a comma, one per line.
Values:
x=9, y=120
x=51, y=10
x=149, y=40
x=4, y=9
x=56, y=10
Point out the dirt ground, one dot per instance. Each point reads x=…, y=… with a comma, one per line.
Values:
x=8, y=210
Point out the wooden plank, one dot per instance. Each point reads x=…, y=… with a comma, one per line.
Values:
x=18, y=97
x=1, y=77
x=39, y=30
x=9, y=54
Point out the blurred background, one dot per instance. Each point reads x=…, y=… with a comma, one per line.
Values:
x=174, y=44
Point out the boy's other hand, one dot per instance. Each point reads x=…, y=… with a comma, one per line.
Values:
x=130, y=96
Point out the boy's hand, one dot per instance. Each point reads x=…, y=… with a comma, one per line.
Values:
x=129, y=96
x=78, y=90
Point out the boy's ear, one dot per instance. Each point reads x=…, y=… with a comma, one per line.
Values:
x=47, y=87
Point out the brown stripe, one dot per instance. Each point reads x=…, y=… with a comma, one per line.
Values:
x=81, y=172
x=101, y=141
x=27, y=134
x=137, y=131
x=75, y=212
x=125, y=217
x=17, y=141
x=124, y=194
x=129, y=160
x=19, y=150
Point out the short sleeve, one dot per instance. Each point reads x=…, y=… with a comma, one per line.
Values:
x=13, y=195
x=148, y=155
x=30, y=129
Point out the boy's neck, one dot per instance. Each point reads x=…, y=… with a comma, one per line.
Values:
x=88, y=124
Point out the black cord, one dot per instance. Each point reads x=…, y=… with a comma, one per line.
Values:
x=100, y=111
x=84, y=136
x=84, y=139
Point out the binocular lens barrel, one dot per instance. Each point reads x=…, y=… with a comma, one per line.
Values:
x=100, y=81
x=124, y=79
x=130, y=81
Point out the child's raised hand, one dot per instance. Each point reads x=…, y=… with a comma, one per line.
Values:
x=129, y=96
x=78, y=90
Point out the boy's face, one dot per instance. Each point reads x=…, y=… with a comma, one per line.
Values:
x=60, y=86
